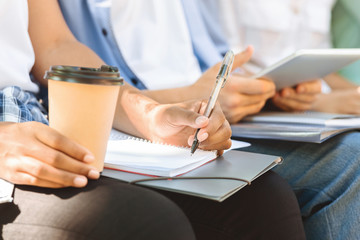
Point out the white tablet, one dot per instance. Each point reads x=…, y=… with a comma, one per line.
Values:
x=308, y=64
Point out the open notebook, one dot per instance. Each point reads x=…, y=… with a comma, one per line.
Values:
x=6, y=191
x=140, y=156
x=131, y=154
x=217, y=179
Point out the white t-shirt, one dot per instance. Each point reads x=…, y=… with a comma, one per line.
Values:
x=16, y=54
x=16, y=58
x=154, y=39
x=276, y=28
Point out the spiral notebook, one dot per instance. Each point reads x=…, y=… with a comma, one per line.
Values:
x=152, y=165
x=140, y=156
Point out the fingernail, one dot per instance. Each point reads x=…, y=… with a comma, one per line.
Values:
x=190, y=140
x=93, y=174
x=300, y=89
x=248, y=48
x=203, y=137
x=80, y=181
x=285, y=94
x=201, y=120
x=89, y=158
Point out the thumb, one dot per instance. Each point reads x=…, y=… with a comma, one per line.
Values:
x=243, y=57
x=239, y=59
x=183, y=117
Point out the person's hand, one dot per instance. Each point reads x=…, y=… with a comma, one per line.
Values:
x=176, y=124
x=244, y=96
x=344, y=101
x=32, y=153
x=299, y=98
x=241, y=96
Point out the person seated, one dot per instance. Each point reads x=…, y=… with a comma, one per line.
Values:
x=141, y=27
x=294, y=26
x=59, y=195
x=344, y=34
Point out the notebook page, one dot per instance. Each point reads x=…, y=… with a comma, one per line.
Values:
x=117, y=135
x=6, y=190
x=141, y=156
x=135, y=152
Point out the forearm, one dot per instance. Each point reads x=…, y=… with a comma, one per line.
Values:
x=336, y=81
x=133, y=111
x=175, y=95
x=71, y=53
x=333, y=102
x=132, y=107
x=53, y=42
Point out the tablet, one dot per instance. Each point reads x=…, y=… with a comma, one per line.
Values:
x=308, y=64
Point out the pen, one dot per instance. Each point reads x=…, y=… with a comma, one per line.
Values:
x=219, y=84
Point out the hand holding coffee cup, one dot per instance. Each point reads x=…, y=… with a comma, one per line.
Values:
x=82, y=104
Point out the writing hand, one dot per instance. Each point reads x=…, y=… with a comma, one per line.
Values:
x=241, y=95
x=174, y=123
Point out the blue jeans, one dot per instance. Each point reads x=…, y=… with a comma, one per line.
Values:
x=326, y=180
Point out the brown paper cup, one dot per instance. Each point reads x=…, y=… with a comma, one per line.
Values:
x=82, y=105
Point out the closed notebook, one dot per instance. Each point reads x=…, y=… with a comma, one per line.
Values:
x=215, y=179
x=307, y=126
x=286, y=131
x=308, y=117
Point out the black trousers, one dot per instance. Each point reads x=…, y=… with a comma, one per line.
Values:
x=110, y=209
x=267, y=209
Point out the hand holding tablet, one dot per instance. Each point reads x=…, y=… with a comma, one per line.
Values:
x=308, y=64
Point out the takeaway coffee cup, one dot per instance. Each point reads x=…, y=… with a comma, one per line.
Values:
x=82, y=104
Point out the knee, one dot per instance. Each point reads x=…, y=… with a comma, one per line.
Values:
x=140, y=208
x=277, y=204
x=276, y=190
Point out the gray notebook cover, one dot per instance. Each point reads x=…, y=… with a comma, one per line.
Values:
x=286, y=131
x=232, y=165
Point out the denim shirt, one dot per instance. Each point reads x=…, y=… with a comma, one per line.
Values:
x=209, y=46
x=90, y=22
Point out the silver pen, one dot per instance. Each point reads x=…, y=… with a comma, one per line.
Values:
x=219, y=84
